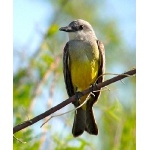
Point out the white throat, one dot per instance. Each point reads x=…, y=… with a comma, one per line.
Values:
x=82, y=35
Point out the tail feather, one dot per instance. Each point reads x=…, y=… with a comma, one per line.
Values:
x=79, y=122
x=84, y=119
x=91, y=126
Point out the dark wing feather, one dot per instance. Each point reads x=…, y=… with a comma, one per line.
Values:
x=102, y=63
x=101, y=67
x=66, y=71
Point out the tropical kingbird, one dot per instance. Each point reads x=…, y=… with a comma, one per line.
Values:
x=83, y=66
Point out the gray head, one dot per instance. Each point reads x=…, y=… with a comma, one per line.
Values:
x=79, y=30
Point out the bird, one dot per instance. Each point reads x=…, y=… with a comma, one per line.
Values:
x=83, y=67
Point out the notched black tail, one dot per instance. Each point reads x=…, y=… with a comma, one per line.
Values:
x=79, y=122
x=91, y=126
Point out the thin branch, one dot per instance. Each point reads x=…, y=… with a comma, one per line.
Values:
x=72, y=99
x=19, y=140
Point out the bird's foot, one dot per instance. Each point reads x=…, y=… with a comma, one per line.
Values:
x=93, y=87
x=77, y=97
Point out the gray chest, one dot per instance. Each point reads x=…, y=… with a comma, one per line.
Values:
x=83, y=51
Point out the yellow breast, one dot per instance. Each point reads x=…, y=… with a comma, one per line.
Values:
x=84, y=62
x=84, y=73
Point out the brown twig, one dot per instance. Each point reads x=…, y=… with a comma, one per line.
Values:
x=19, y=140
x=71, y=99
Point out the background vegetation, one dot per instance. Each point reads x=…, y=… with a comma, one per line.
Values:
x=38, y=81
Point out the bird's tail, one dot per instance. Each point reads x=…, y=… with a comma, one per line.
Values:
x=84, y=119
x=79, y=122
x=91, y=126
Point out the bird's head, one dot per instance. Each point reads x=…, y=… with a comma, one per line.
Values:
x=79, y=30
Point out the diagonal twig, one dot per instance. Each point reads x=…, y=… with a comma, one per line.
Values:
x=72, y=99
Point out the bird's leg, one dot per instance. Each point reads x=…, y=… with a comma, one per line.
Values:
x=77, y=97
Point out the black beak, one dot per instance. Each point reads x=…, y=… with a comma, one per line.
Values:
x=66, y=29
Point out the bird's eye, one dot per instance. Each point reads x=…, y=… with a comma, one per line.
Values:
x=81, y=27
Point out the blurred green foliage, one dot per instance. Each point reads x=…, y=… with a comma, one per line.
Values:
x=116, y=118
